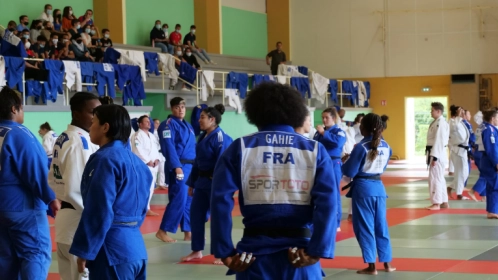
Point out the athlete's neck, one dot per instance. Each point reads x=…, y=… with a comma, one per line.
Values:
x=74, y=123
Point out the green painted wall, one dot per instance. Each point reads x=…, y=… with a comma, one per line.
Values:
x=11, y=10
x=141, y=15
x=244, y=33
x=57, y=120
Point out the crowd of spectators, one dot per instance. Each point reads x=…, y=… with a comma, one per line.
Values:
x=60, y=35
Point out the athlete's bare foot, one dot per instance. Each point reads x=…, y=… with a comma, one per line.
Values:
x=451, y=173
x=217, y=261
x=151, y=213
x=448, y=190
x=461, y=197
x=164, y=237
x=192, y=256
x=492, y=216
x=188, y=236
x=483, y=198
x=370, y=270
x=350, y=217
x=472, y=195
x=163, y=187
x=444, y=205
x=433, y=207
x=388, y=267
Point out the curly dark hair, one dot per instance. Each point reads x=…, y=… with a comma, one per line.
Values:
x=275, y=104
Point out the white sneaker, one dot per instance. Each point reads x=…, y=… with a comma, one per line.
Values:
x=212, y=62
x=186, y=89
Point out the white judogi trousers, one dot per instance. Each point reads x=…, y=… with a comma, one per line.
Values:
x=153, y=170
x=461, y=169
x=68, y=267
x=437, y=183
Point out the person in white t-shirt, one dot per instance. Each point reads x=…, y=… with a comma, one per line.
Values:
x=46, y=15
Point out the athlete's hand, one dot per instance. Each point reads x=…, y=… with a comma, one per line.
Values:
x=320, y=129
x=81, y=264
x=190, y=191
x=433, y=163
x=179, y=174
x=299, y=258
x=239, y=263
x=55, y=206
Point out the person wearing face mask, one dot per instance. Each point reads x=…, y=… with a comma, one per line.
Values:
x=25, y=34
x=39, y=47
x=159, y=39
x=12, y=27
x=189, y=41
x=85, y=35
x=87, y=18
x=94, y=33
x=333, y=138
x=106, y=39
x=35, y=30
x=46, y=15
x=57, y=20
x=79, y=49
x=23, y=23
x=47, y=30
x=29, y=63
x=52, y=51
x=179, y=54
x=64, y=52
x=67, y=18
x=75, y=27
x=190, y=59
x=176, y=37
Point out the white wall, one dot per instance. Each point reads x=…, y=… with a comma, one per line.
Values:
x=257, y=6
x=345, y=38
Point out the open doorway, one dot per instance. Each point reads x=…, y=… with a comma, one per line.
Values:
x=418, y=119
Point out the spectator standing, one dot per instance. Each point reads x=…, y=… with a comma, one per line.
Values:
x=159, y=40
x=277, y=57
x=23, y=23
x=67, y=18
x=176, y=37
x=46, y=15
x=189, y=41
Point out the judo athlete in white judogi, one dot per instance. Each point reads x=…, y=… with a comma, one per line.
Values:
x=437, y=140
x=451, y=166
x=49, y=137
x=459, y=143
x=25, y=246
x=72, y=150
x=161, y=177
x=145, y=146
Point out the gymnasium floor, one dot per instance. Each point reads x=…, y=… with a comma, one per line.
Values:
x=455, y=244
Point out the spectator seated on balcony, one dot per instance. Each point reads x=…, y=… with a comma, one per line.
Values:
x=79, y=49
x=57, y=20
x=176, y=37
x=159, y=40
x=190, y=59
x=95, y=34
x=64, y=48
x=75, y=28
x=86, y=36
x=32, y=70
x=39, y=47
x=30, y=53
x=67, y=18
x=86, y=18
x=189, y=41
x=46, y=15
x=35, y=30
x=25, y=35
x=53, y=48
x=23, y=23
x=48, y=28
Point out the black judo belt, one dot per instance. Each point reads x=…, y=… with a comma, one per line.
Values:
x=376, y=178
x=467, y=148
x=278, y=232
x=187, y=161
x=428, y=154
x=206, y=173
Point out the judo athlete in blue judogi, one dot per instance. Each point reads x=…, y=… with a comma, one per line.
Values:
x=286, y=193
x=367, y=162
x=333, y=138
x=115, y=188
x=177, y=141
x=25, y=246
x=213, y=141
x=480, y=185
x=489, y=161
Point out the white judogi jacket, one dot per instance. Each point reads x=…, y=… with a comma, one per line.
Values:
x=357, y=133
x=437, y=137
x=145, y=146
x=48, y=142
x=161, y=157
x=459, y=135
x=350, y=138
x=71, y=152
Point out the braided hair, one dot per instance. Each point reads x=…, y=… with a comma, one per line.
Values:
x=372, y=124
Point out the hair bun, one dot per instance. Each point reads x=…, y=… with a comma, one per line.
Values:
x=220, y=108
x=384, y=118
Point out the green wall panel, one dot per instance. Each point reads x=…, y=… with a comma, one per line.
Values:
x=244, y=33
x=11, y=10
x=57, y=120
x=141, y=15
